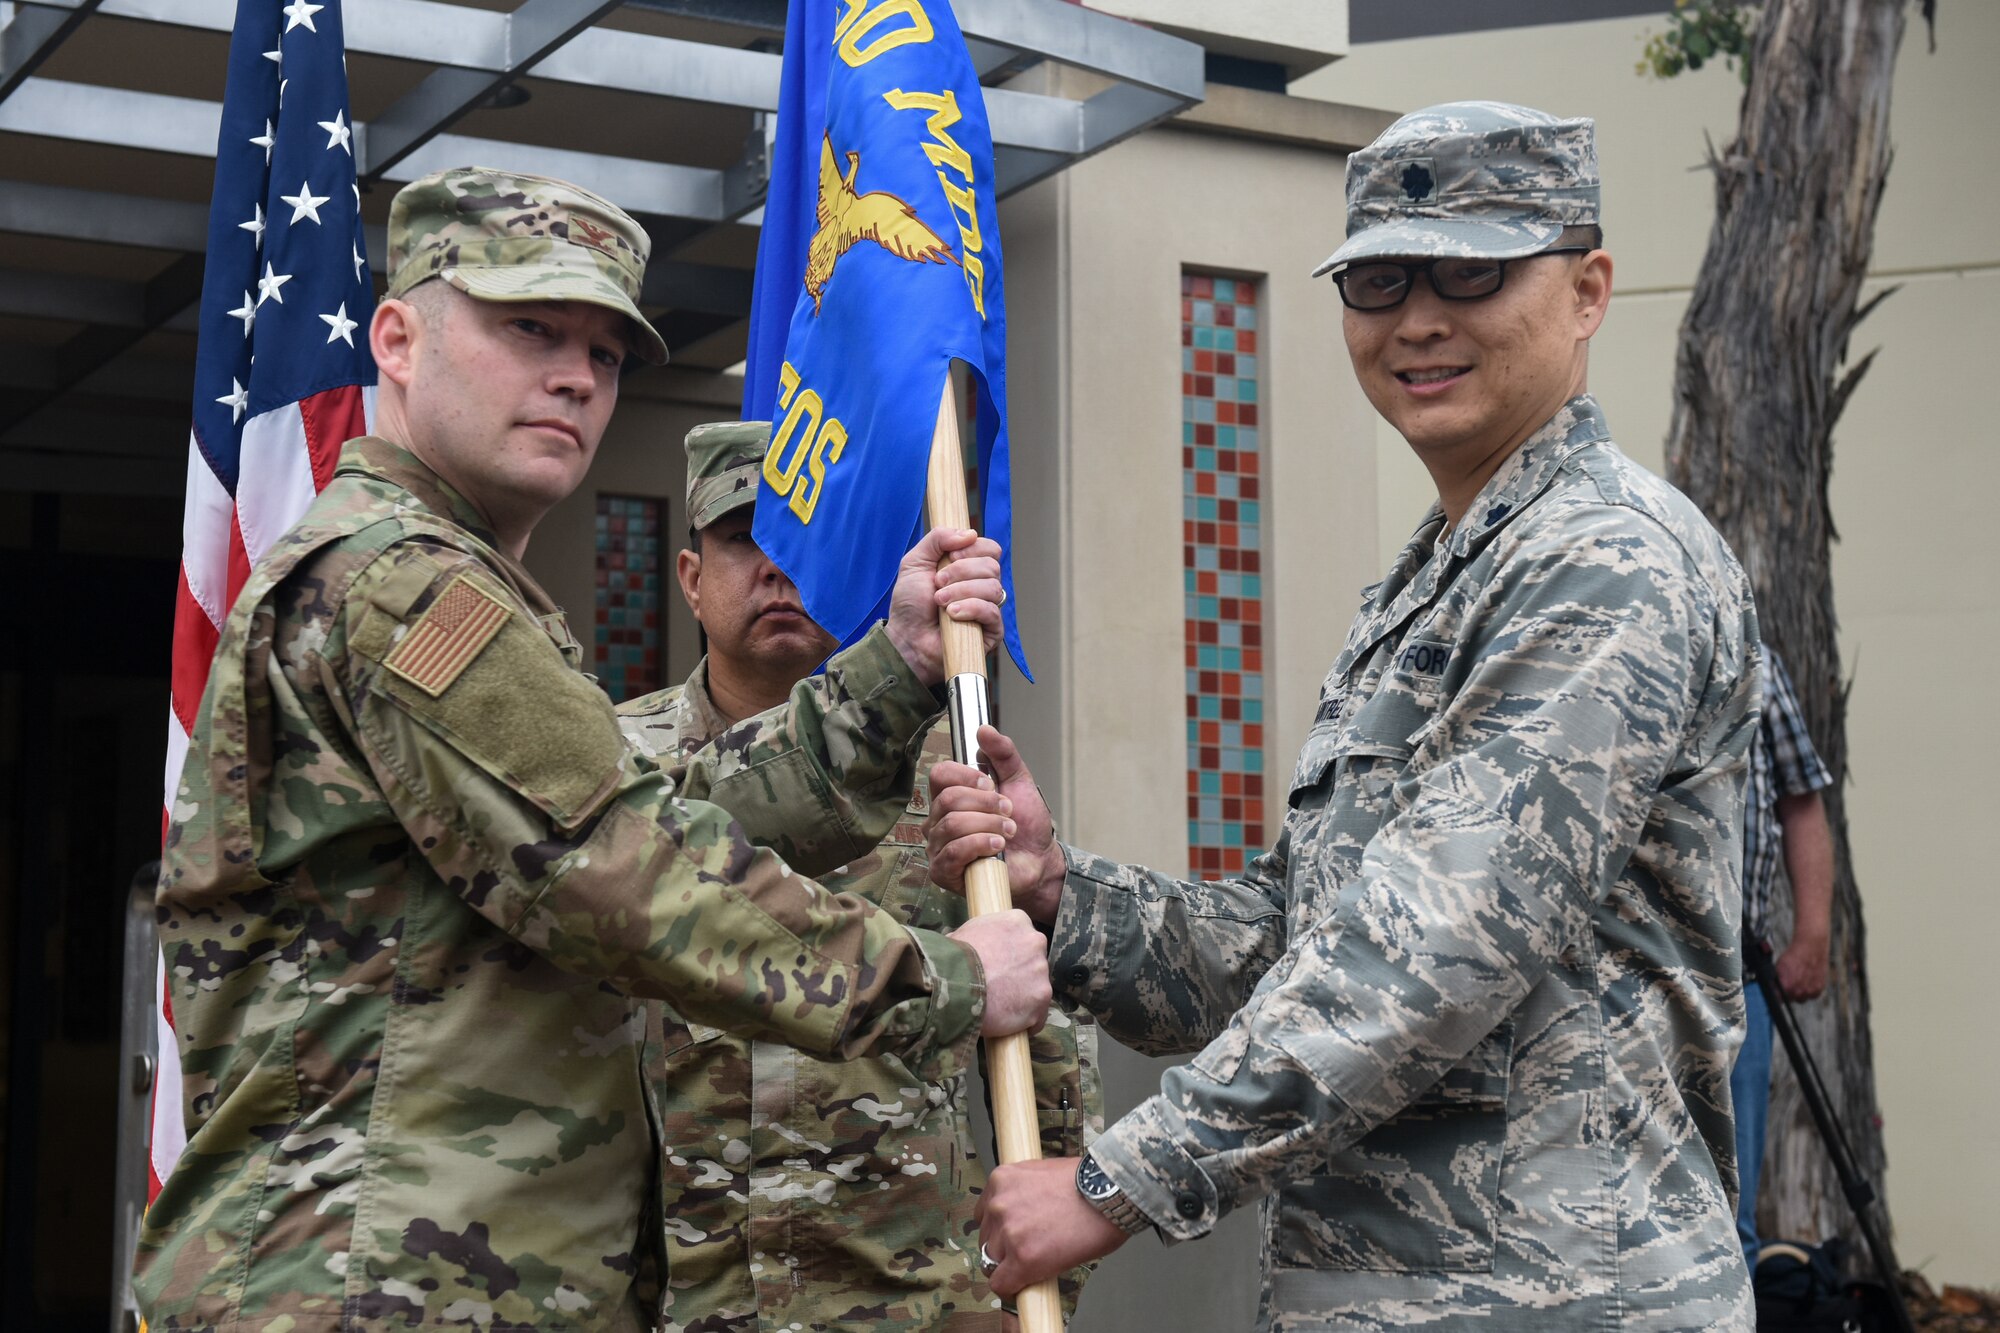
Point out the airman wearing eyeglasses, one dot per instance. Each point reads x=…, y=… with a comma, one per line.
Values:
x=1465, y=1030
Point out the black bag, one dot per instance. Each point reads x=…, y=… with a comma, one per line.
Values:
x=1800, y=1289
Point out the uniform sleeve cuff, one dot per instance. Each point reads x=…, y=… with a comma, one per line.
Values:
x=1140, y=1157
x=1085, y=966
x=957, y=1003
x=875, y=673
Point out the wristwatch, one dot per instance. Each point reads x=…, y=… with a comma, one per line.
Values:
x=1107, y=1198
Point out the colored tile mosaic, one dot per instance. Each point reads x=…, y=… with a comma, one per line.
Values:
x=626, y=647
x=1221, y=551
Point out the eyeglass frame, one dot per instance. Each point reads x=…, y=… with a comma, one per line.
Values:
x=1410, y=271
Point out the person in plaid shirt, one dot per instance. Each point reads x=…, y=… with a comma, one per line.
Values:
x=1782, y=815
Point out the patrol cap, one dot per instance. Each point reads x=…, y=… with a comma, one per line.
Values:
x=723, y=459
x=1477, y=180
x=506, y=236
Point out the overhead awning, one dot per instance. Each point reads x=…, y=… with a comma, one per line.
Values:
x=108, y=109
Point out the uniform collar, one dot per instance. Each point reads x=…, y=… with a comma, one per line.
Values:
x=1420, y=571
x=705, y=720
x=1525, y=474
x=373, y=456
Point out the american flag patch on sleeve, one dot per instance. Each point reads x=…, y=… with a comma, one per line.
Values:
x=447, y=637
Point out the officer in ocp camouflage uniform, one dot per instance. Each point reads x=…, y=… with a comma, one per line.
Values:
x=415, y=878
x=800, y=1193
x=1465, y=1030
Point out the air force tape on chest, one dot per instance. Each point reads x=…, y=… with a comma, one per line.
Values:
x=1422, y=662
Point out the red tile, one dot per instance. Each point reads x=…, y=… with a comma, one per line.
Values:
x=1211, y=733
x=1208, y=682
x=1194, y=802
x=1204, y=433
x=1246, y=487
x=1253, y=659
x=1253, y=785
x=1204, y=582
x=1246, y=292
x=1225, y=315
x=1199, y=286
x=1210, y=757
x=1225, y=413
x=1246, y=461
x=1232, y=808
x=1229, y=559
x=1232, y=784
x=1204, y=483
x=1222, y=363
x=1246, y=414
x=1204, y=386
x=1232, y=709
x=1225, y=509
x=1225, y=460
x=1204, y=361
x=1253, y=734
x=1246, y=342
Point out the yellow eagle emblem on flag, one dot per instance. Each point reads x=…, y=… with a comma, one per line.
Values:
x=846, y=217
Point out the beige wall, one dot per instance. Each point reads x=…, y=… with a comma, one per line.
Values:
x=1095, y=257
x=641, y=455
x=1914, y=472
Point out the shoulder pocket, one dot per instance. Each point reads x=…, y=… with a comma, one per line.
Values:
x=512, y=708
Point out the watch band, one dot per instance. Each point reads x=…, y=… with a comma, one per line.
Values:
x=1116, y=1205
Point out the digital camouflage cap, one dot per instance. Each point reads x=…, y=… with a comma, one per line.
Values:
x=1478, y=180
x=723, y=458
x=507, y=236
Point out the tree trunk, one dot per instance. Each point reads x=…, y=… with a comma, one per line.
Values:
x=1758, y=388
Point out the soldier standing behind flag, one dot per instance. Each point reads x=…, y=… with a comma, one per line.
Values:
x=414, y=875
x=799, y=1192
x=1466, y=1028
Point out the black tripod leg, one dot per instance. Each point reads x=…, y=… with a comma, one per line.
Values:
x=1860, y=1195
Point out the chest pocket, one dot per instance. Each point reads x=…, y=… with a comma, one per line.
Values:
x=1362, y=735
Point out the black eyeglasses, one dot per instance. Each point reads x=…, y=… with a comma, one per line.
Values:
x=1381, y=284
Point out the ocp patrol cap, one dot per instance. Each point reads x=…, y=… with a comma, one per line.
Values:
x=508, y=236
x=1475, y=180
x=723, y=460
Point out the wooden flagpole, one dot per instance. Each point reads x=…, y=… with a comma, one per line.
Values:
x=1009, y=1073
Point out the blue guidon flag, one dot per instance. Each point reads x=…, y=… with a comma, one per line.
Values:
x=878, y=267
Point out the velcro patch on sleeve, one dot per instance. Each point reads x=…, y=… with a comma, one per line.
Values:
x=448, y=637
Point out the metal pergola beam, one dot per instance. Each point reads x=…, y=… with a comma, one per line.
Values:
x=458, y=38
x=26, y=208
x=420, y=115
x=30, y=35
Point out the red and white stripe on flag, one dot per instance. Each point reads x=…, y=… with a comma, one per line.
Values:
x=282, y=372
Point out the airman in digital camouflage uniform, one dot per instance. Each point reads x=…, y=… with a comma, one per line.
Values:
x=1466, y=1029
x=801, y=1193
x=415, y=877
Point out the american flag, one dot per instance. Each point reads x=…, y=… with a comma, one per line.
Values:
x=282, y=371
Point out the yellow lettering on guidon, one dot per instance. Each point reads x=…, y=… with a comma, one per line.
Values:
x=855, y=25
x=818, y=446
x=945, y=153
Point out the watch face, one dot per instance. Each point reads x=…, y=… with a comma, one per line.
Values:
x=1091, y=1181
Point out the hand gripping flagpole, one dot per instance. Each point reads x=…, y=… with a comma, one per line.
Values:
x=1009, y=1073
